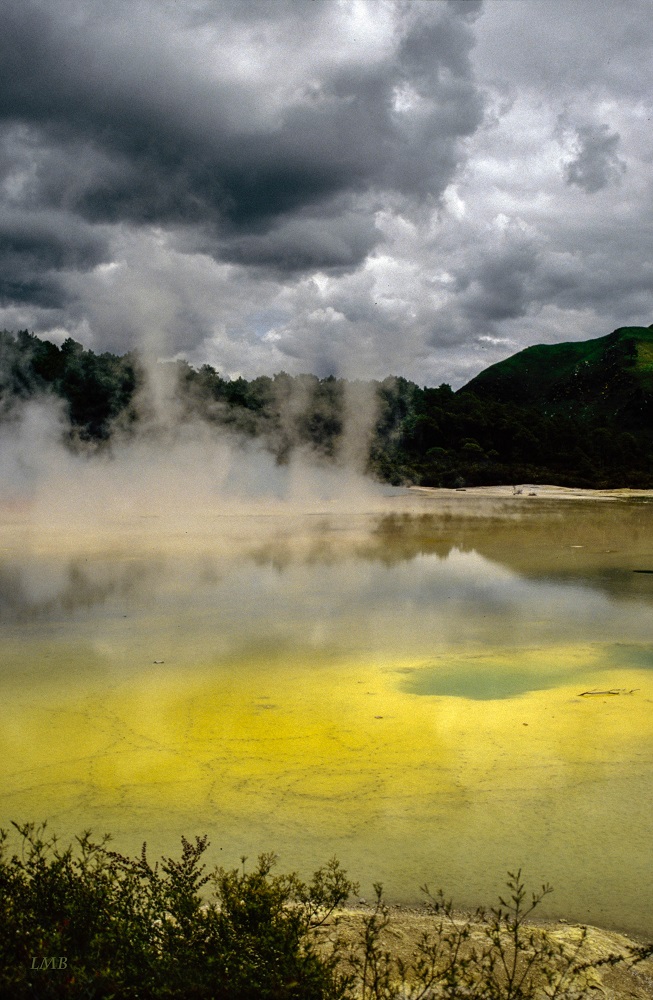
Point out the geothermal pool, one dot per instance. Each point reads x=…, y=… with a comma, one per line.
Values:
x=403, y=687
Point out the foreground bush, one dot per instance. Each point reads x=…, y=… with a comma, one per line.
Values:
x=89, y=922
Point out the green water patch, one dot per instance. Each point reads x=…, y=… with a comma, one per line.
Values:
x=479, y=681
x=512, y=673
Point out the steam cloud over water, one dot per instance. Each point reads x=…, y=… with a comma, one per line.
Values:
x=169, y=470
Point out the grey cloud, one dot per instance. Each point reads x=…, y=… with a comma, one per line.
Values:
x=617, y=287
x=307, y=242
x=567, y=48
x=498, y=284
x=169, y=146
x=35, y=246
x=42, y=292
x=596, y=163
x=444, y=44
x=524, y=277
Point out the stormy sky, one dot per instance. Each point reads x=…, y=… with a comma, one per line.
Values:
x=356, y=187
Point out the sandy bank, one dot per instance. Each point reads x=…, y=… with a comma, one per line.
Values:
x=523, y=492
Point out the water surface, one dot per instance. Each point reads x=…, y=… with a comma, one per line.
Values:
x=412, y=689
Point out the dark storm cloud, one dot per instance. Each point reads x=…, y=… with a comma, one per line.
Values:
x=596, y=163
x=305, y=242
x=35, y=246
x=126, y=134
x=500, y=287
x=358, y=186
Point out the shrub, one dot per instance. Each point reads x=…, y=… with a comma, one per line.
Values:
x=88, y=922
x=122, y=928
x=489, y=955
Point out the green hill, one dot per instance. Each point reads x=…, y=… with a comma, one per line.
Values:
x=609, y=378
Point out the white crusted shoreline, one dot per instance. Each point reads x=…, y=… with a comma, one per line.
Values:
x=527, y=491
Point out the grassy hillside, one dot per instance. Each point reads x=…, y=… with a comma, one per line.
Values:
x=607, y=378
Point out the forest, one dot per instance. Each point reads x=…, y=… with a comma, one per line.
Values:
x=572, y=414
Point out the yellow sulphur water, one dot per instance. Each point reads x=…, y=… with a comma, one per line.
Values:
x=415, y=693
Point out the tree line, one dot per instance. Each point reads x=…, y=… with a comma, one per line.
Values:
x=429, y=436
